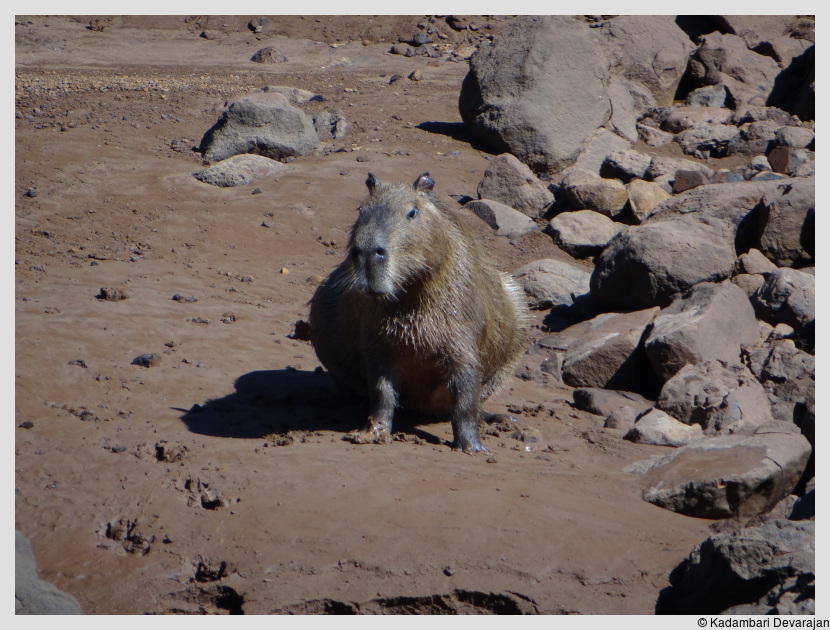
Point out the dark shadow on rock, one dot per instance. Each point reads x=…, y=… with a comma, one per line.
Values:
x=793, y=88
x=696, y=25
x=278, y=401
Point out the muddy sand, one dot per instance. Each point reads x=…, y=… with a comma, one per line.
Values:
x=218, y=479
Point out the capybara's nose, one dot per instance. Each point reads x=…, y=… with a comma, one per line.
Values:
x=381, y=254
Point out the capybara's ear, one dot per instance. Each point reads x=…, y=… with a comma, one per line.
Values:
x=424, y=182
x=372, y=182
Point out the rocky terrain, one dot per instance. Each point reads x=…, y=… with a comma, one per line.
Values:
x=182, y=184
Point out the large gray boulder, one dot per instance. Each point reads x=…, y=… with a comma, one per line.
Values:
x=759, y=569
x=606, y=351
x=721, y=398
x=512, y=183
x=650, y=52
x=33, y=596
x=710, y=322
x=647, y=265
x=538, y=91
x=263, y=123
x=729, y=476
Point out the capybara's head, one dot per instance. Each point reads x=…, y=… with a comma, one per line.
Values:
x=395, y=240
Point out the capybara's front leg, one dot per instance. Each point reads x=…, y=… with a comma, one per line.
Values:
x=382, y=405
x=465, y=389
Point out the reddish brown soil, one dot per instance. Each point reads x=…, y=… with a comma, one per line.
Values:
x=219, y=480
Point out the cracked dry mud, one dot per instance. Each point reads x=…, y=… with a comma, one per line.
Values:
x=223, y=467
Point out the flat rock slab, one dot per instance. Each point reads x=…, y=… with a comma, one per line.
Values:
x=729, y=476
x=239, y=170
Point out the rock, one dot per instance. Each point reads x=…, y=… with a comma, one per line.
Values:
x=710, y=96
x=597, y=147
x=787, y=160
x=660, y=429
x=513, y=103
x=512, y=183
x=607, y=196
x=731, y=476
x=330, y=124
x=754, y=262
x=668, y=166
x=239, y=170
x=763, y=569
x=147, y=360
x=621, y=418
x=113, y=294
x=603, y=402
x=795, y=90
x=779, y=116
x=710, y=322
x=606, y=351
x=503, y=219
x=294, y=95
x=643, y=197
x=648, y=264
x=582, y=233
x=654, y=137
x=754, y=29
x=753, y=138
x=549, y=282
x=625, y=165
x=261, y=123
x=789, y=296
x=33, y=596
x=783, y=49
x=687, y=117
x=787, y=373
x=721, y=398
x=706, y=140
x=724, y=58
x=269, y=54
x=685, y=180
x=649, y=51
x=786, y=225
x=795, y=137
x=749, y=283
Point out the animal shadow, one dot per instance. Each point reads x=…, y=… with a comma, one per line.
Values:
x=276, y=401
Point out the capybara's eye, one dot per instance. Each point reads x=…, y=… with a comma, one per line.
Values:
x=412, y=213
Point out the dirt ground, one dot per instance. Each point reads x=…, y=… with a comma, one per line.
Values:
x=218, y=480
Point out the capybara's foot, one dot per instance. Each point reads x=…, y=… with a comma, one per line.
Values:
x=377, y=431
x=470, y=447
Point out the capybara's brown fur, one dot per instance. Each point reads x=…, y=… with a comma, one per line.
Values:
x=417, y=316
